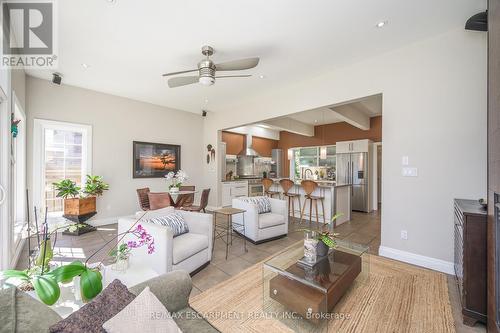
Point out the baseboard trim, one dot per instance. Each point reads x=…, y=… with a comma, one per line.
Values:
x=418, y=260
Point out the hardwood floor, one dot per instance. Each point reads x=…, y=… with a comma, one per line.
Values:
x=363, y=229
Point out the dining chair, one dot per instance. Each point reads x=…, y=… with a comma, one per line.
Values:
x=203, y=203
x=185, y=200
x=142, y=194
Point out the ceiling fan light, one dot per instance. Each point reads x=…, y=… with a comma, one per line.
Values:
x=206, y=80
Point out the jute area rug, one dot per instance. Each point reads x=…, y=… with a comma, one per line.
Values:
x=396, y=297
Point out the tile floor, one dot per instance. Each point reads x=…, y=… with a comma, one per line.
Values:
x=363, y=229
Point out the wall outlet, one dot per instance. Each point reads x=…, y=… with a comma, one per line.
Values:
x=405, y=161
x=410, y=172
x=404, y=234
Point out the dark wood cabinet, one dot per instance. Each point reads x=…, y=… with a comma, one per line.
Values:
x=470, y=259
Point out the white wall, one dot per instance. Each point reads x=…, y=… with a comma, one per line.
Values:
x=116, y=122
x=434, y=111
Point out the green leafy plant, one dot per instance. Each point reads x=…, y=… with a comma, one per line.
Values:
x=323, y=234
x=46, y=285
x=95, y=186
x=67, y=188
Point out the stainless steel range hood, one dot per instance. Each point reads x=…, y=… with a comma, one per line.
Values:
x=247, y=149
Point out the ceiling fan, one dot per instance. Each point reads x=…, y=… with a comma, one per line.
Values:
x=207, y=70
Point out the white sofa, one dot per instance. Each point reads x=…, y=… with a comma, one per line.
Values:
x=190, y=251
x=264, y=227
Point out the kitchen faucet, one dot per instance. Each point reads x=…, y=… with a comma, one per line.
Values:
x=305, y=173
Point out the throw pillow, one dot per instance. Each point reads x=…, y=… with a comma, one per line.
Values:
x=91, y=316
x=144, y=314
x=263, y=203
x=159, y=200
x=174, y=221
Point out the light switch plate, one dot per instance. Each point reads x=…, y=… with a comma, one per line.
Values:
x=405, y=160
x=410, y=172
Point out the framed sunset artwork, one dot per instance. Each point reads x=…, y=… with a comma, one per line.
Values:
x=155, y=160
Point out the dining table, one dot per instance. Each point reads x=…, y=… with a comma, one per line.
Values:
x=176, y=196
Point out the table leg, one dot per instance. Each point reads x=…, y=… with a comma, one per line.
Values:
x=231, y=227
x=244, y=236
x=213, y=233
x=228, y=230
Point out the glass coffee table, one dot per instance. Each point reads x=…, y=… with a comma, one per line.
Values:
x=304, y=297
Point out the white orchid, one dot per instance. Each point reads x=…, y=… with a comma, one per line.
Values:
x=170, y=175
x=176, y=179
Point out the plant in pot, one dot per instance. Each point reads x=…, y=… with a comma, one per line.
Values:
x=176, y=180
x=322, y=240
x=121, y=253
x=80, y=201
x=44, y=277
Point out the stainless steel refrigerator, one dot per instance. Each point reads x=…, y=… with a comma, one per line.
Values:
x=353, y=169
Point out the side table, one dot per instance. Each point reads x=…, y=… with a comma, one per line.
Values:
x=226, y=228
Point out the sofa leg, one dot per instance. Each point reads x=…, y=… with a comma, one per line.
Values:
x=199, y=269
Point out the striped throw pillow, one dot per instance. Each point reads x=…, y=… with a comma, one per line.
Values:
x=263, y=204
x=174, y=221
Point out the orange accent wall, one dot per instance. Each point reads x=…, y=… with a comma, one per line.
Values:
x=235, y=143
x=328, y=135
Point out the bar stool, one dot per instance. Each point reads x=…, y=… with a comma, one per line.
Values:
x=286, y=185
x=267, y=183
x=309, y=187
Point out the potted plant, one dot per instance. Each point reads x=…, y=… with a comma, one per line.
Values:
x=176, y=180
x=80, y=201
x=122, y=252
x=45, y=278
x=321, y=239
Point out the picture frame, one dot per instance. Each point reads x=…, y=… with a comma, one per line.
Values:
x=155, y=160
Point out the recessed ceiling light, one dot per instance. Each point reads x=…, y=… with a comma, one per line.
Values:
x=86, y=66
x=262, y=76
x=111, y=1
x=381, y=24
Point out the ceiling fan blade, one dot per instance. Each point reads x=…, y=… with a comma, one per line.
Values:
x=237, y=65
x=182, y=81
x=181, y=72
x=225, y=76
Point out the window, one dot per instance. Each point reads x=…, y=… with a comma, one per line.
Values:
x=61, y=151
x=309, y=157
x=18, y=172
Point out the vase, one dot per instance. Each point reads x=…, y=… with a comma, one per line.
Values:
x=120, y=265
x=310, y=247
x=321, y=249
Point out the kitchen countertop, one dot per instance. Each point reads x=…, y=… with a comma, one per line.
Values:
x=321, y=183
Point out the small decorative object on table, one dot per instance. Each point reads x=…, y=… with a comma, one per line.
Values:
x=176, y=180
x=318, y=242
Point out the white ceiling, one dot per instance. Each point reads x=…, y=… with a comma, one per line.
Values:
x=369, y=106
x=129, y=44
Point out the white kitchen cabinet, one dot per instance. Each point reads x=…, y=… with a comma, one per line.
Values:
x=234, y=189
x=355, y=146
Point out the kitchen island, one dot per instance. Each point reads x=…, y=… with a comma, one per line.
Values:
x=337, y=200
